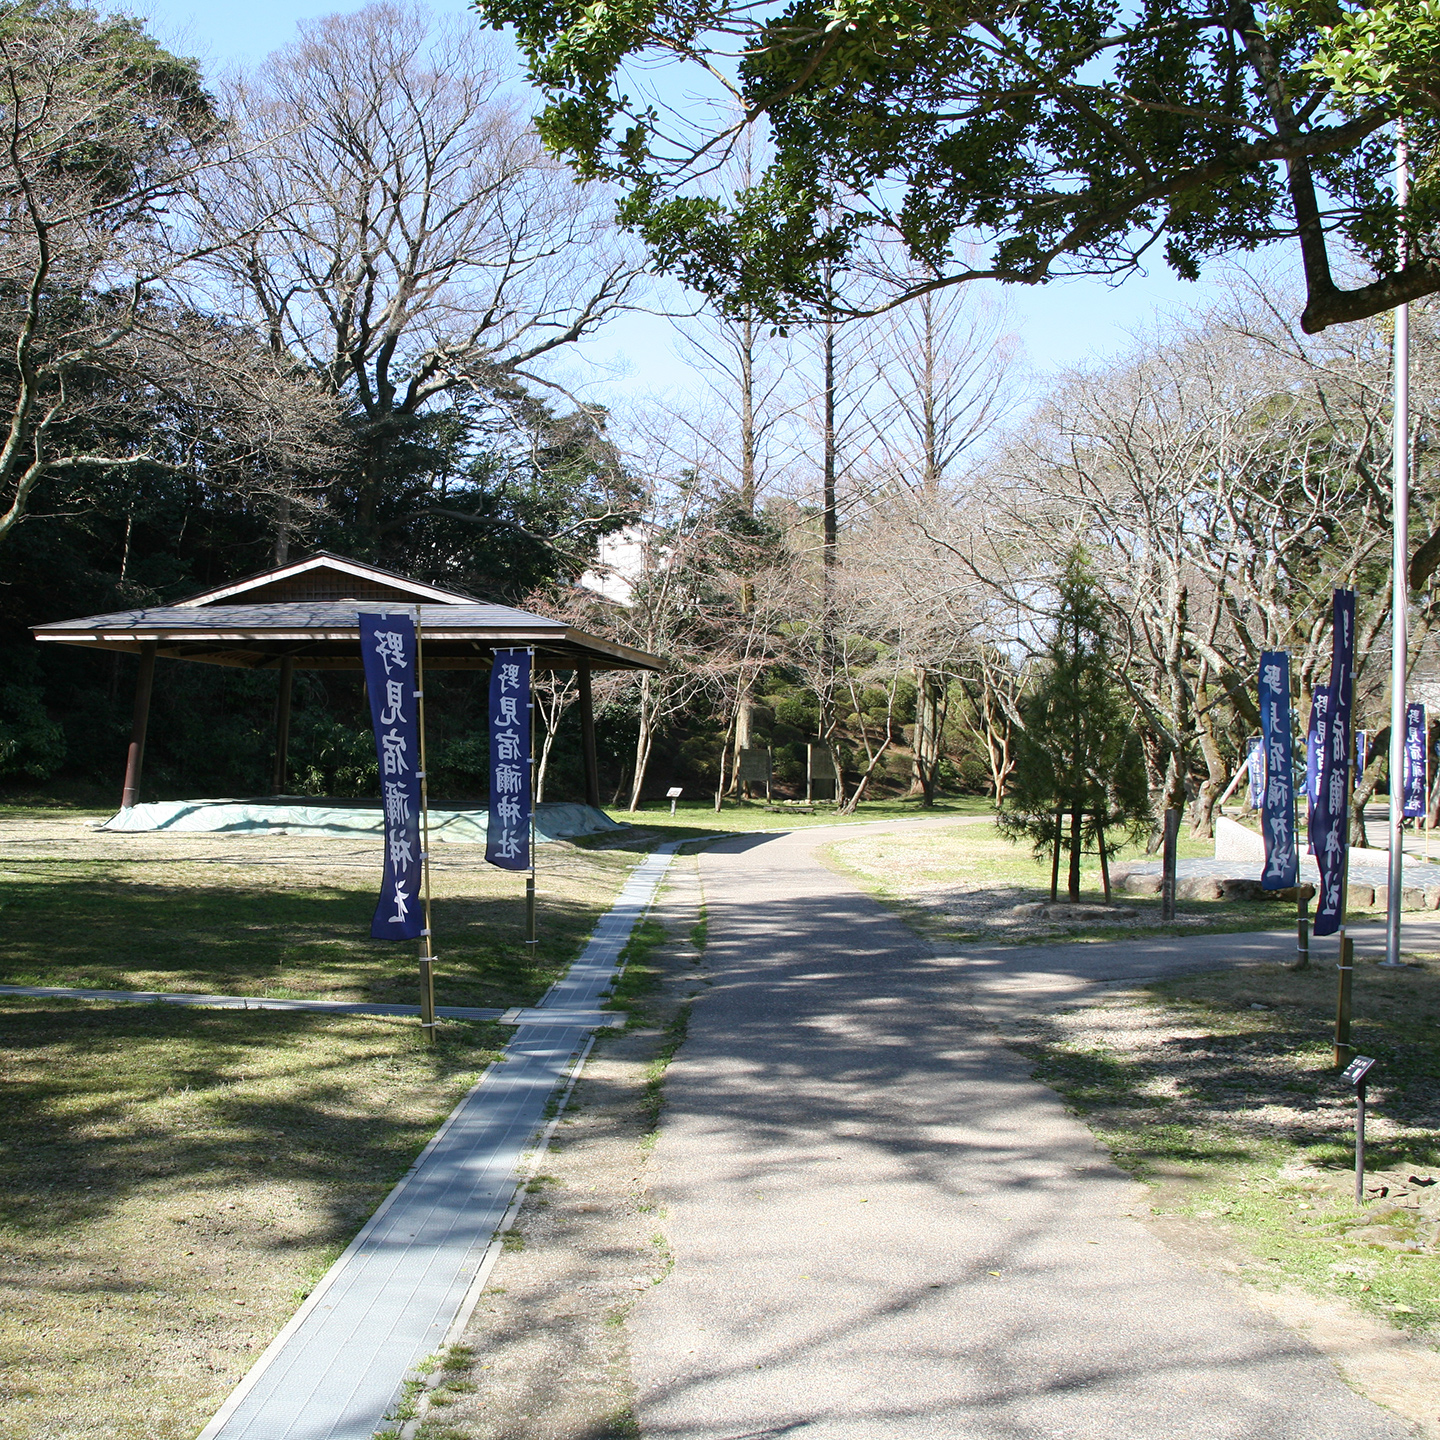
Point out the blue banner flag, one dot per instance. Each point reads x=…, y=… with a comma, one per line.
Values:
x=507, y=839
x=1415, y=767
x=388, y=650
x=1362, y=754
x=1330, y=834
x=1255, y=765
x=1314, y=744
x=1277, y=813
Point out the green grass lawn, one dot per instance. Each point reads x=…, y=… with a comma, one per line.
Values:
x=172, y=1181
x=1219, y=1091
x=230, y=929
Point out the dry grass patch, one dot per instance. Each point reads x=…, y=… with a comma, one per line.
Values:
x=963, y=884
x=172, y=1182
x=282, y=916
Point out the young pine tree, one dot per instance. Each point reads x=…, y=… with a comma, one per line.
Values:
x=1079, y=774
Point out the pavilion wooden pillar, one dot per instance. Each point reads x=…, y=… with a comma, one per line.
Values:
x=135, y=756
x=282, y=721
x=587, y=736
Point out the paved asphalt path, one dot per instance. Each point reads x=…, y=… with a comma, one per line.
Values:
x=883, y=1228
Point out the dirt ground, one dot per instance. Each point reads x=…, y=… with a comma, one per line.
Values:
x=544, y=1357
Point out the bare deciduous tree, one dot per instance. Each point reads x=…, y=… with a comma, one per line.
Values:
x=411, y=240
x=1224, y=481
x=106, y=139
x=948, y=378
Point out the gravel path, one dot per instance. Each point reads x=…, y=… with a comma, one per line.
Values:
x=882, y=1228
x=1367, y=867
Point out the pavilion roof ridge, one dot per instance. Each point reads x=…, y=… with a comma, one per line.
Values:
x=324, y=560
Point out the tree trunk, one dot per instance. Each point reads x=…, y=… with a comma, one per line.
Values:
x=829, y=557
x=372, y=470
x=732, y=727
x=1104, y=859
x=830, y=531
x=744, y=729
x=643, y=738
x=997, y=743
x=282, y=531
x=1073, y=882
x=1202, y=821
x=1178, y=765
x=543, y=765
x=927, y=737
x=1364, y=790
x=864, y=781
x=839, y=773
x=1055, y=857
x=749, y=449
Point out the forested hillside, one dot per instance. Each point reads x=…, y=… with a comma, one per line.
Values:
x=340, y=301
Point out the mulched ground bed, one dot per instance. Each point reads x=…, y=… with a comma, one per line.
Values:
x=1220, y=1089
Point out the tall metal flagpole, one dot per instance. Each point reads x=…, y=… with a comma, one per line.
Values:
x=427, y=943
x=1399, y=576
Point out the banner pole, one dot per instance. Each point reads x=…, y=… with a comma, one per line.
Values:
x=531, y=935
x=427, y=947
x=1399, y=578
x=1346, y=968
x=1343, y=994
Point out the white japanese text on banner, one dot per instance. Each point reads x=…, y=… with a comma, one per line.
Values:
x=1415, y=767
x=1277, y=811
x=387, y=646
x=507, y=840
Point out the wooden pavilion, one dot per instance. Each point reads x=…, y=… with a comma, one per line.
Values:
x=305, y=615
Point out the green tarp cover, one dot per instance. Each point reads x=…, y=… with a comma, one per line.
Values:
x=320, y=817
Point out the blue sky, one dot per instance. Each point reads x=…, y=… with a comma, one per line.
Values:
x=227, y=31
x=1061, y=324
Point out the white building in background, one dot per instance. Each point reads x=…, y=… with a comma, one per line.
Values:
x=619, y=565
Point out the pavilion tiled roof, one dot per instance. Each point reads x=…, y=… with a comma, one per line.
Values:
x=309, y=612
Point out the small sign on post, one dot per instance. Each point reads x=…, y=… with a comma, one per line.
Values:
x=755, y=767
x=1357, y=1072
x=819, y=773
x=673, y=794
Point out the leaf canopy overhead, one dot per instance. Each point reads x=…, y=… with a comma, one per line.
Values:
x=1066, y=136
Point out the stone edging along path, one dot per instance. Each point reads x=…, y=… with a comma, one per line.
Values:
x=416, y=1268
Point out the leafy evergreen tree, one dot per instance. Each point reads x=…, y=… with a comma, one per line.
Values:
x=1079, y=771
